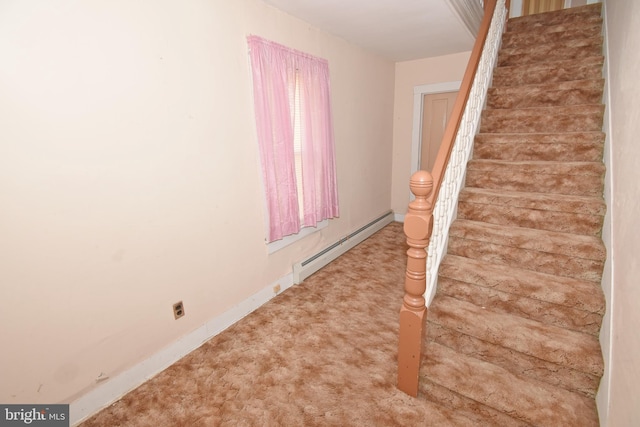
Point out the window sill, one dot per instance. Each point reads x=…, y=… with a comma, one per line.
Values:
x=288, y=240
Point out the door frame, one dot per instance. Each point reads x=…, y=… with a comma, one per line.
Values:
x=418, y=97
x=516, y=6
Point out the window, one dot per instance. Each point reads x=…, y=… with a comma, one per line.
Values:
x=296, y=117
x=295, y=136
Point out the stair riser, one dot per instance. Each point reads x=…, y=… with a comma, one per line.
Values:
x=558, y=264
x=577, y=152
x=513, y=361
x=561, y=71
x=526, y=121
x=544, y=53
x=580, y=92
x=564, y=222
x=552, y=34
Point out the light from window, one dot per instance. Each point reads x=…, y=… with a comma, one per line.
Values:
x=296, y=119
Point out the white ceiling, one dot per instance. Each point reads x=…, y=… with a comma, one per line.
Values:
x=399, y=30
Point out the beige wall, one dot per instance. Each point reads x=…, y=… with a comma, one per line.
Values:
x=409, y=74
x=129, y=177
x=619, y=394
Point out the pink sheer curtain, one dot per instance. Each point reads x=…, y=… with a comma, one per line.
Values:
x=277, y=72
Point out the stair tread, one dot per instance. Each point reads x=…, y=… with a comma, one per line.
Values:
x=590, y=9
x=573, y=304
x=551, y=260
x=443, y=415
x=535, y=403
x=571, y=84
x=515, y=304
x=542, y=201
x=550, y=47
x=518, y=363
x=547, y=342
x=541, y=211
x=542, y=137
x=549, y=71
x=539, y=219
x=553, y=252
x=567, y=146
x=553, y=33
x=579, y=246
x=536, y=119
x=541, y=176
x=595, y=61
x=540, y=167
x=550, y=109
x=574, y=92
x=571, y=15
x=481, y=415
x=566, y=291
x=570, y=49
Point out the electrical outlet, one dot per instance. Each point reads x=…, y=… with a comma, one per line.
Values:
x=276, y=289
x=178, y=310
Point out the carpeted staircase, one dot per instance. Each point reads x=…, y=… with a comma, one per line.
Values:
x=513, y=329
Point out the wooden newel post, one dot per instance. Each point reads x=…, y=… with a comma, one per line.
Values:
x=418, y=224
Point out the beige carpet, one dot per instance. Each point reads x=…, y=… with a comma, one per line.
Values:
x=322, y=353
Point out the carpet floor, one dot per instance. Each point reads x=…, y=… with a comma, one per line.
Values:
x=322, y=353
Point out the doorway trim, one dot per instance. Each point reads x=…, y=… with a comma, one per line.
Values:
x=516, y=6
x=418, y=96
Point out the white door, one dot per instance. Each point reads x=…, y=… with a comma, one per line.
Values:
x=436, y=110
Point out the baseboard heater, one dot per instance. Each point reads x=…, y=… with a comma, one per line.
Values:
x=305, y=268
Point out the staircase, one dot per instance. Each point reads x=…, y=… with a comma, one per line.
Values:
x=513, y=329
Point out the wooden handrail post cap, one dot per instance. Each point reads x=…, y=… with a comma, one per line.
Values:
x=418, y=222
x=421, y=183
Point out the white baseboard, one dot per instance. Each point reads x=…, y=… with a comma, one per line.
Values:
x=116, y=387
x=398, y=217
x=305, y=268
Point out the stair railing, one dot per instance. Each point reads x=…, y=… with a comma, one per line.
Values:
x=429, y=216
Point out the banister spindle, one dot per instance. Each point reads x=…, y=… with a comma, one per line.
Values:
x=418, y=224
